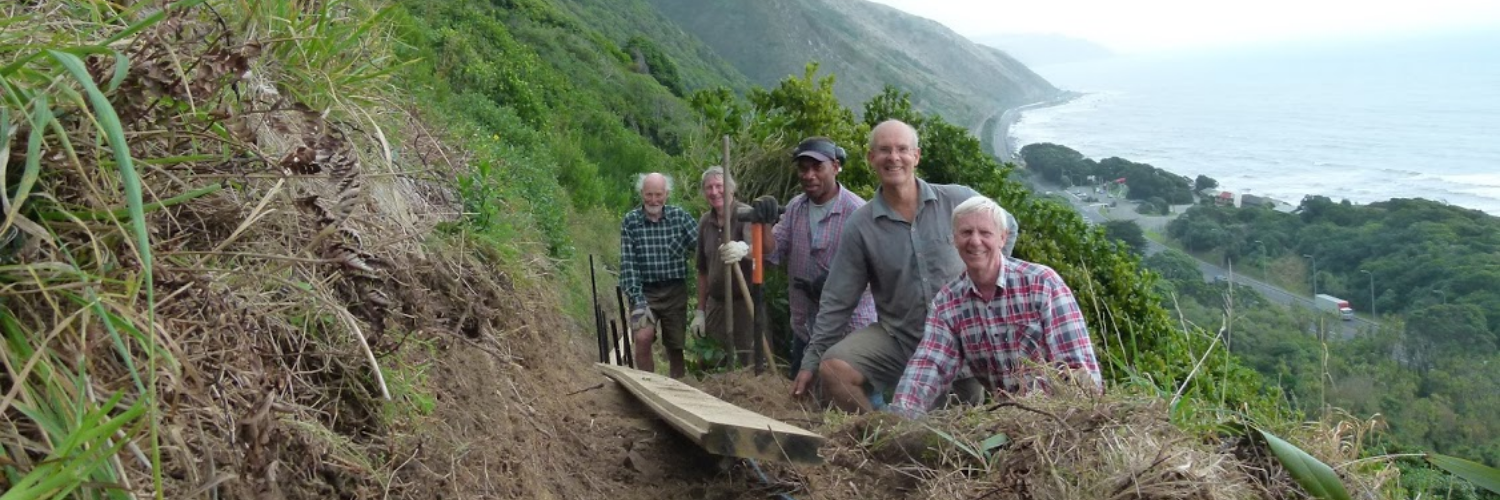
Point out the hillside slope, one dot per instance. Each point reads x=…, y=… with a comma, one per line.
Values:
x=868, y=46
x=698, y=64
x=341, y=255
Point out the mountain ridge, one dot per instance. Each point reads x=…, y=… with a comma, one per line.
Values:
x=869, y=46
x=1041, y=49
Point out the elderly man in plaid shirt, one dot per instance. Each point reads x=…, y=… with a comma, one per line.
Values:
x=899, y=248
x=807, y=237
x=1006, y=320
x=655, y=240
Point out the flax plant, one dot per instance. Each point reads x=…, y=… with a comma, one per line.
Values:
x=63, y=424
x=83, y=352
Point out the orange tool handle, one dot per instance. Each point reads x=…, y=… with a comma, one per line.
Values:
x=757, y=232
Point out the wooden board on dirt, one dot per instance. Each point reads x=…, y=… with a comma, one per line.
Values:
x=717, y=426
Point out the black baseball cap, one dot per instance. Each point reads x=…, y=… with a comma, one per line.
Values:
x=818, y=148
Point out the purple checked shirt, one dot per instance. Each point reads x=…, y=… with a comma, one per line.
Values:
x=808, y=255
x=1032, y=324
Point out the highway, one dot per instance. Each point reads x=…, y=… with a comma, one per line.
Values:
x=1348, y=329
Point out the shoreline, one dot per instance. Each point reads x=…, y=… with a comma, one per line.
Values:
x=1004, y=145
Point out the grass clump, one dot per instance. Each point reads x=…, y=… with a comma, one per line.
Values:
x=1073, y=443
x=214, y=216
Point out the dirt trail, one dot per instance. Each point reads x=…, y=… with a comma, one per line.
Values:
x=543, y=423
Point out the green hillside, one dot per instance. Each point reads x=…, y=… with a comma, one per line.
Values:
x=869, y=46
x=344, y=249
x=625, y=21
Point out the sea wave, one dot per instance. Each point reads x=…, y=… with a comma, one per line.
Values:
x=1271, y=135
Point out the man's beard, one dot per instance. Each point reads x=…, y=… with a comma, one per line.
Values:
x=653, y=210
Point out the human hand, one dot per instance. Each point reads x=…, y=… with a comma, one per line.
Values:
x=799, y=387
x=641, y=318
x=733, y=251
x=696, y=327
x=767, y=210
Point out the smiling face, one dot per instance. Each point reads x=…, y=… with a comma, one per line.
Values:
x=817, y=178
x=979, y=242
x=654, y=194
x=713, y=191
x=894, y=153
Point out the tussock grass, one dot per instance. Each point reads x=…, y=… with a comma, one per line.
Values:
x=216, y=221
x=1073, y=443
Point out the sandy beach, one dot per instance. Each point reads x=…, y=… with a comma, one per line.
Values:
x=1005, y=147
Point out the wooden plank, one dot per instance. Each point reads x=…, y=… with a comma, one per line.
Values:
x=717, y=426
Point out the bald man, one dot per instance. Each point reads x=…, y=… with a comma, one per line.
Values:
x=655, y=241
x=900, y=247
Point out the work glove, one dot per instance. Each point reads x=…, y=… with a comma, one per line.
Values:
x=641, y=318
x=733, y=251
x=697, y=325
x=767, y=211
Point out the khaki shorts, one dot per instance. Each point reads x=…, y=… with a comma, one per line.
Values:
x=882, y=359
x=668, y=302
x=741, y=340
x=875, y=354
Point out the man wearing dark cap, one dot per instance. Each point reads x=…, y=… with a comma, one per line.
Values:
x=807, y=237
x=899, y=249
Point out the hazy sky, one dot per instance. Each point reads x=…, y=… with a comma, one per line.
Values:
x=1134, y=26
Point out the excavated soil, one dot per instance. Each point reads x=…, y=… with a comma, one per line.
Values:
x=544, y=423
x=294, y=297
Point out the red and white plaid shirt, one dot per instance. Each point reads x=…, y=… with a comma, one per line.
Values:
x=1032, y=324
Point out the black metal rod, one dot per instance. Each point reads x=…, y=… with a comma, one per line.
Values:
x=629, y=337
x=598, y=314
x=615, y=334
x=602, y=332
x=625, y=325
x=626, y=352
x=758, y=339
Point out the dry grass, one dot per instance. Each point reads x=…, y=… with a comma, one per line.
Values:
x=241, y=352
x=289, y=247
x=1069, y=445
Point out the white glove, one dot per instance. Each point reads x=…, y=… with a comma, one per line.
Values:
x=640, y=318
x=696, y=327
x=733, y=251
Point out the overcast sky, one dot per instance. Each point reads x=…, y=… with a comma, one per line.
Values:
x=1136, y=26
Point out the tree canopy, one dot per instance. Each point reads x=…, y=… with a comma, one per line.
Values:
x=1056, y=162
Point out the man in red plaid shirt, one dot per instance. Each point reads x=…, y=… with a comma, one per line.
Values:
x=1006, y=320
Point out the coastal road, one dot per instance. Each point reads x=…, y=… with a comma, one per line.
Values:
x=1346, y=329
x=1091, y=214
x=1007, y=118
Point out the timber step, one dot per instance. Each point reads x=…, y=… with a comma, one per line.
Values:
x=717, y=426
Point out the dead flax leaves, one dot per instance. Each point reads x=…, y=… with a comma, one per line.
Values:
x=1071, y=444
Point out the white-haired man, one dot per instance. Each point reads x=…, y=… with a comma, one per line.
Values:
x=714, y=257
x=899, y=246
x=1008, y=321
x=655, y=240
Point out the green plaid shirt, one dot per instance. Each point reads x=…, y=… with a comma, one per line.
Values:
x=652, y=251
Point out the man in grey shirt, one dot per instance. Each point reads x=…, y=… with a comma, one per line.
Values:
x=900, y=245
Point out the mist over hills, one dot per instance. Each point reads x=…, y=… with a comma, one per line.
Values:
x=1040, y=49
x=868, y=46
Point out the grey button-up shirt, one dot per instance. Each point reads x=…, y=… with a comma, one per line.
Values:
x=903, y=263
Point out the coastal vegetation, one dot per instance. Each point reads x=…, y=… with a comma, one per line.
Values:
x=1399, y=256
x=305, y=250
x=1062, y=165
x=1428, y=372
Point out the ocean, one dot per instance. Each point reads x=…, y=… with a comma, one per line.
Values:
x=1369, y=121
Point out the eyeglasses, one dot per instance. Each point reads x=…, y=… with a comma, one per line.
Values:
x=894, y=150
